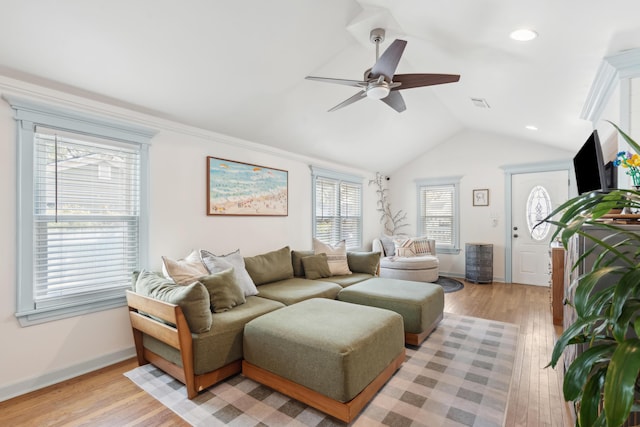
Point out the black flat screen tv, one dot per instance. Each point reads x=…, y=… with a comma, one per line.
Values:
x=589, y=167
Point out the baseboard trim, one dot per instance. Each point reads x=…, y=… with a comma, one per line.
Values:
x=50, y=378
x=461, y=276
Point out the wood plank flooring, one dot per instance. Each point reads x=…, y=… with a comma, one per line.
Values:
x=107, y=398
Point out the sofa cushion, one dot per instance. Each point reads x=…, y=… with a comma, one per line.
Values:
x=270, y=267
x=316, y=266
x=412, y=263
x=193, y=298
x=388, y=245
x=348, y=279
x=363, y=262
x=184, y=271
x=294, y=290
x=336, y=256
x=224, y=290
x=217, y=263
x=296, y=262
x=223, y=343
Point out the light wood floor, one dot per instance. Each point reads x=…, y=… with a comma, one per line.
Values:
x=107, y=398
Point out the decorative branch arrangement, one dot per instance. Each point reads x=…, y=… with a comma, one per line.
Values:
x=392, y=222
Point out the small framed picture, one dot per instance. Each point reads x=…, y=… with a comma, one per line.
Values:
x=481, y=197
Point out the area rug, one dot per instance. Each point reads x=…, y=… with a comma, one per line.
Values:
x=460, y=376
x=449, y=284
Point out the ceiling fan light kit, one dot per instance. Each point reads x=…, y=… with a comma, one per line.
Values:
x=381, y=82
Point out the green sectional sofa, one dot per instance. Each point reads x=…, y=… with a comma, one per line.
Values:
x=196, y=335
x=170, y=333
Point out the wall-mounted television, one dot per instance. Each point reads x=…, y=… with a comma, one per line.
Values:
x=589, y=167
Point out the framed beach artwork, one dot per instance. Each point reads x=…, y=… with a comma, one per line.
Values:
x=236, y=188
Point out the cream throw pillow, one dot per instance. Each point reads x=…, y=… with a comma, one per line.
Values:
x=404, y=248
x=422, y=246
x=336, y=256
x=184, y=271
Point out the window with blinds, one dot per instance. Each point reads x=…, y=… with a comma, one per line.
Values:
x=438, y=217
x=82, y=211
x=337, y=210
x=86, y=217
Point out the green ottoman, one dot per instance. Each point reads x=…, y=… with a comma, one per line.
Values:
x=420, y=304
x=328, y=354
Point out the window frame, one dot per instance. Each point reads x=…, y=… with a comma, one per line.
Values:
x=453, y=181
x=339, y=178
x=29, y=114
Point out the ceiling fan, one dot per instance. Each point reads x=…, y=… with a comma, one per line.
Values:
x=381, y=83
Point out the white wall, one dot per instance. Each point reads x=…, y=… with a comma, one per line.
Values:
x=477, y=157
x=35, y=356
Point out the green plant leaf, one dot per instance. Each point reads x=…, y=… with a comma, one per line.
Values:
x=636, y=326
x=569, y=334
x=619, y=386
x=590, y=402
x=586, y=285
x=622, y=323
x=577, y=374
x=627, y=138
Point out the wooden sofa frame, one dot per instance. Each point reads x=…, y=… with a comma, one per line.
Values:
x=178, y=337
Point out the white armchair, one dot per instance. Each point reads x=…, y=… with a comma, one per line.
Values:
x=418, y=261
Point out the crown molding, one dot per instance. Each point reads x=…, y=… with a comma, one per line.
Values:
x=621, y=65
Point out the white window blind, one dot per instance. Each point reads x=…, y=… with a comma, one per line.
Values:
x=437, y=216
x=82, y=210
x=86, y=222
x=338, y=211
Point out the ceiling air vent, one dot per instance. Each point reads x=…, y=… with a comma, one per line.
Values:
x=480, y=102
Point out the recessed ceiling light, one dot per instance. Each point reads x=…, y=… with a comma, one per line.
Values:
x=531, y=127
x=523, y=35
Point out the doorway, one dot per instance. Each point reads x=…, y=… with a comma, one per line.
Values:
x=534, y=196
x=532, y=191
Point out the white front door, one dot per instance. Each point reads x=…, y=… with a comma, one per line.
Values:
x=534, y=195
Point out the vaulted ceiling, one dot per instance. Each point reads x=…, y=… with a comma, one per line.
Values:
x=238, y=67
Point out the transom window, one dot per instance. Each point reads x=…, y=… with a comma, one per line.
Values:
x=538, y=208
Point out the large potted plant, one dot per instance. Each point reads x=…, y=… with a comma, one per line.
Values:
x=603, y=380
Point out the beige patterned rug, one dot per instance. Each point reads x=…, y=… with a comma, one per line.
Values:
x=460, y=376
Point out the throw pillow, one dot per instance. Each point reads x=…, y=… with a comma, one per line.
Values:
x=316, y=266
x=296, y=261
x=422, y=246
x=270, y=267
x=184, y=271
x=218, y=263
x=193, y=298
x=224, y=291
x=404, y=247
x=388, y=245
x=364, y=262
x=336, y=256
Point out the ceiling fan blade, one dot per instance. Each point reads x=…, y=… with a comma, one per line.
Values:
x=418, y=80
x=387, y=63
x=355, y=83
x=357, y=97
x=395, y=101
